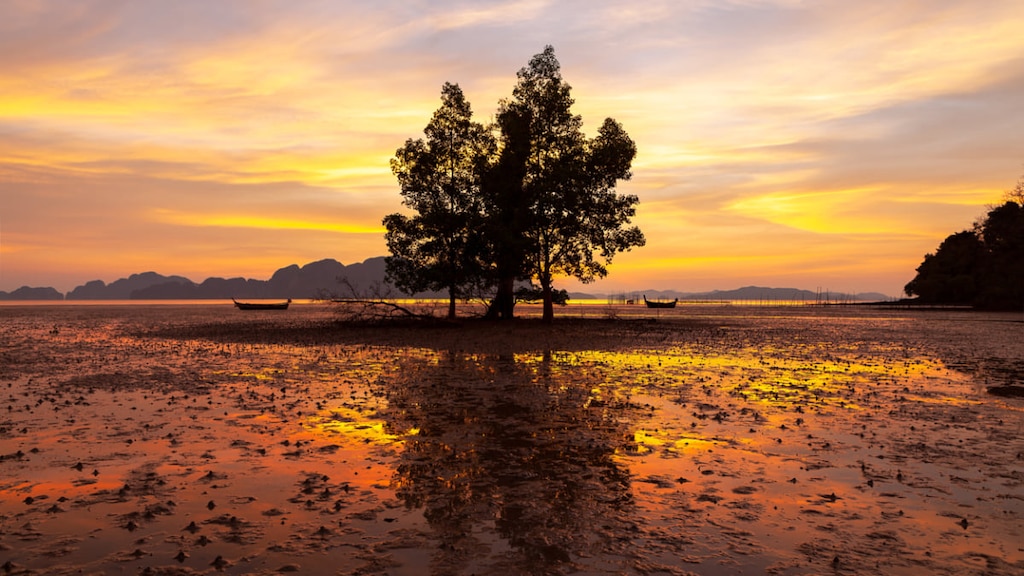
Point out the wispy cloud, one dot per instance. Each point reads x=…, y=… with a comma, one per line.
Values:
x=784, y=140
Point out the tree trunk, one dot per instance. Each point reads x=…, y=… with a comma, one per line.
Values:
x=492, y=310
x=507, y=303
x=549, y=308
x=504, y=302
x=451, y=303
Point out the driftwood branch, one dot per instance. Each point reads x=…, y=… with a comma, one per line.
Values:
x=363, y=308
x=375, y=304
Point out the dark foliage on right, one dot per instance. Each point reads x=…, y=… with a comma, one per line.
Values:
x=982, y=267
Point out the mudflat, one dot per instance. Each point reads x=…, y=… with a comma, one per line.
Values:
x=199, y=439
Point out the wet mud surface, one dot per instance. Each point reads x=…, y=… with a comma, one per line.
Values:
x=182, y=440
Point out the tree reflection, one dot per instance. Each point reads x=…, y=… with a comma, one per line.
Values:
x=513, y=463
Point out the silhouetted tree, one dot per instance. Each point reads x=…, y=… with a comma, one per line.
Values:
x=440, y=247
x=983, y=266
x=1016, y=195
x=1002, y=233
x=950, y=275
x=565, y=201
x=537, y=202
x=508, y=211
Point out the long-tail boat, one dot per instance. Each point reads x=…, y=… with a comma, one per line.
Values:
x=262, y=305
x=660, y=303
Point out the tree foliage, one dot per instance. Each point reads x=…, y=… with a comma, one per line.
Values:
x=508, y=212
x=982, y=267
x=950, y=275
x=534, y=294
x=440, y=246
x=531, y=200
x=559, y=186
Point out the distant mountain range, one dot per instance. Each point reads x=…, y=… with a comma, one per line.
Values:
x=749, y=293
x=330, y=278
x=27, y=293
x=321, y=279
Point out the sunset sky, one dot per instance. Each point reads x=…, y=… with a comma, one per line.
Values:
x=781, y=143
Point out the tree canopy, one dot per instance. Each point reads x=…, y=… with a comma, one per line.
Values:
x=982, y=267
x=440, y=246
x=568, y=182
x=529, y=199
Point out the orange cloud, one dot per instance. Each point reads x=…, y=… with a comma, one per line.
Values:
x=236, y=220
x=776, y=139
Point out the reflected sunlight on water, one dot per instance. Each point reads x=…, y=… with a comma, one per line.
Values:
x=789, y=441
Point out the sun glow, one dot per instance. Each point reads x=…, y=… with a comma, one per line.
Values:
x=858, y=124
x=262, y=222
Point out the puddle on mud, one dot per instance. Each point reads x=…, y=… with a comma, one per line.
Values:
x=789, y=443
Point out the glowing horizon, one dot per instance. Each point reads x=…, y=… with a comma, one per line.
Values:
x=780, y=144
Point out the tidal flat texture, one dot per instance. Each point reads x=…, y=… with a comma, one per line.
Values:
x=199, y=439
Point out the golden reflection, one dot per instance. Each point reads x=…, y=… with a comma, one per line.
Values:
x=510, y=443
x=353, y=426
x=767, y=441
x=512, y=447
x=666, y=442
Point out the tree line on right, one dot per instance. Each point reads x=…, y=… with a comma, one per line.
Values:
x=981, y=267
